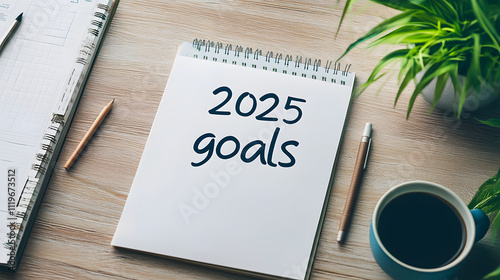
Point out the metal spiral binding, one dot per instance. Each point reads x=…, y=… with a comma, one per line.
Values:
x=298, y=61
x=54, y=128
x=238, y=50
x=58, y=119
x=209, y=45
x=327, y=66
x=100, y=15
x=257, y=54
x=278, y=58
x=42, y=157
x=47, y=148
x=50, y=137
x=94, y=31
x=269, y=55
x=317, y=64
x=306, y=64
x=39, y=168
x=20, y=213
x=288, y=58
x=103, y=7
x=97, y=23
x=346, y=69
x=85, y=52
x=81, y=60
x=248, y=52
x=228, y=49
x=218, y=45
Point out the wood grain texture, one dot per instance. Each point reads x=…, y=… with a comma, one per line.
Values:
x=72, y=234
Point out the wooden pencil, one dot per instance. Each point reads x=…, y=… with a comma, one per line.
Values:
x=88, y=135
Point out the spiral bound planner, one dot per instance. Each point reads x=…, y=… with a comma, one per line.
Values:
x=44, y=70
x=236, y=172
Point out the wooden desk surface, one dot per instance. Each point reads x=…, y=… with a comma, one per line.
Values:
x=72, y=234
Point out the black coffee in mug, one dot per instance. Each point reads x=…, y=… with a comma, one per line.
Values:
x=421, y=230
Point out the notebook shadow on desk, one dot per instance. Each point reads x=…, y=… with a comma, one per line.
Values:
x=173, y=265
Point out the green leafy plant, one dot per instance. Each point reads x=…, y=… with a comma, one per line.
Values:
x=495, y=122
x=442, y=40
x=487, y=198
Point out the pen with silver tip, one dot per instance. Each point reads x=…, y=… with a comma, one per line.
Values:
x=11, y=30
x=363, y=151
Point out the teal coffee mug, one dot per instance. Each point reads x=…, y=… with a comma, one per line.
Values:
x=422, y=230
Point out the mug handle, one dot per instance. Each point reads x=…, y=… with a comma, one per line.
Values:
x=482, y=223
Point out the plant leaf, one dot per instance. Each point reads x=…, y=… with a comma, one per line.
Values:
x=410, y=74
x=487, y=197
x=495, y=122
x=490, y=204
x=440, y=84
x=386, y=60
x=456, y=83
x=488, y=27
x=407, y=35
x=463, y=92
x=494, y=275
x=386, y=25
x=401, y=5
x=496, y=226
x=346, y=7
x=434, y=71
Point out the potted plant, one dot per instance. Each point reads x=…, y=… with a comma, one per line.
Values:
x=446, y=44
x=447, y=41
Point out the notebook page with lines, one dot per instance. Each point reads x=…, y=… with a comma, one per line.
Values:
x=34, y=69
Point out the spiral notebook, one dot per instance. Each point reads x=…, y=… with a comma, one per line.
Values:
x=43, y=69
x=237, y=167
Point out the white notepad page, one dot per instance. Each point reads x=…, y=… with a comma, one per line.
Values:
x=227, y=212
x=33, y=66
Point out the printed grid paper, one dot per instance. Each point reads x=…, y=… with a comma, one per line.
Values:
x=33, y=66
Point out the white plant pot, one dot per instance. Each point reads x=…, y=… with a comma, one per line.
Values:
x=449, y=100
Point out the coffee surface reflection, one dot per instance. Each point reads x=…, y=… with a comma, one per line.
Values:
x=421, y=230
